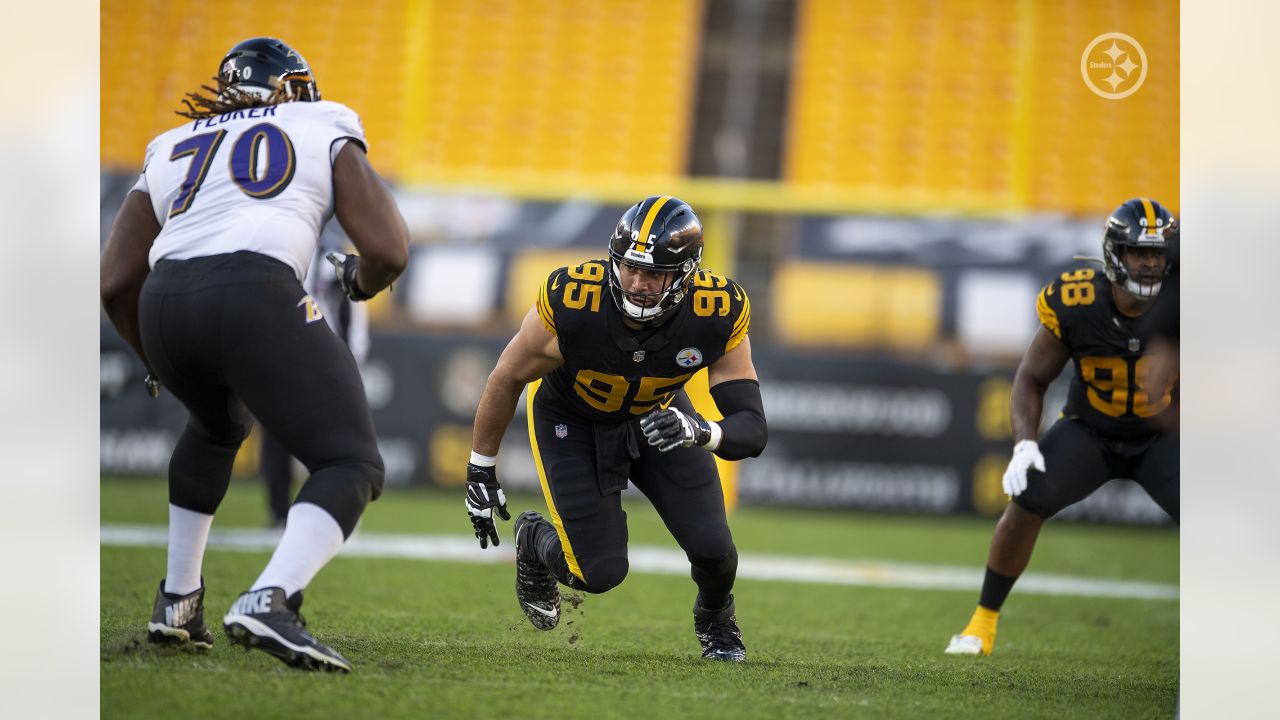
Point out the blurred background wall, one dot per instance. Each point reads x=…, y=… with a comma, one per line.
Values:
x=890, y=181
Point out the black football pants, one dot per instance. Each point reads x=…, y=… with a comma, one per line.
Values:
x=1077, y=463
x=232, y=331
x=583, y=468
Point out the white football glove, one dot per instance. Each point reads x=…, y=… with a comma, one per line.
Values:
x=1026, y=454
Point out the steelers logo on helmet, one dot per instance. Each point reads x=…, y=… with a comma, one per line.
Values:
x=264, y=66
x=1140, y=224
x=660, y=234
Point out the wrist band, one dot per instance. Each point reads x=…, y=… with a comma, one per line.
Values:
x=483, y=460
x=716, y=435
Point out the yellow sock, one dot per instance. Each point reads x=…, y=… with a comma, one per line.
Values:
x=983, y=625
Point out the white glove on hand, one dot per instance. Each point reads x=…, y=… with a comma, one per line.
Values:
x=1026, y=454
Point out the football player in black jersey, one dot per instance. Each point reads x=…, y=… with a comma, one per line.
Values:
x=607, y=348
x=1110, y=427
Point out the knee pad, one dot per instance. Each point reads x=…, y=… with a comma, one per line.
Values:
x=604, y=574
x=725, y=565
x=343, y=491
x=1036, y=507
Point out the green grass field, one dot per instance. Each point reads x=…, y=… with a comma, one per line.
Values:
x=446, y=639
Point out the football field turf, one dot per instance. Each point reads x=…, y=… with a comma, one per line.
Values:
x=445, y=638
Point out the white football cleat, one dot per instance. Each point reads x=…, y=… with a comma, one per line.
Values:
x=965, y=645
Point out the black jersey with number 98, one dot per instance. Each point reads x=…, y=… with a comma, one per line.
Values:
x=1112, y=389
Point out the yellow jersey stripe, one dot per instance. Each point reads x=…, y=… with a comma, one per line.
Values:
x=544, y=309
x=741, y=325
x=569, y=557
x=643, y=239
x=1048, y=317
x=1151, y=214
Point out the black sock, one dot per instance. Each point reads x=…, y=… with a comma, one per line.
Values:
x=715, y=580
x=546, y=545
x=995, y=588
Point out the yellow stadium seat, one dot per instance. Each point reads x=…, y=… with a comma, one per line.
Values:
x=856, y=306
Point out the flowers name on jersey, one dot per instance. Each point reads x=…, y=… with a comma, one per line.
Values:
x=689, y=357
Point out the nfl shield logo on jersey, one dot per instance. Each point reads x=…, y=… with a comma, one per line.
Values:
x=689, y=357
x=1134, y=344
x=562, y=430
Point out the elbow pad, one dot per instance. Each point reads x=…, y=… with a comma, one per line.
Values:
x=743, y=429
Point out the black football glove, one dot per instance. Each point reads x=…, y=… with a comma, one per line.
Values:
x=484, y=498
x=669, y=429
x=345, y=266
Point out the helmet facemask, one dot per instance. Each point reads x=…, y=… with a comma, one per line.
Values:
x=655, y=305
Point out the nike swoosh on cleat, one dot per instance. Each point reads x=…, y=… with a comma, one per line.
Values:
x=548, y=613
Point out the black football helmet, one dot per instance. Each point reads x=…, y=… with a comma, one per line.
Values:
x=1138, y=223
x=659, y=233
x=262, y=65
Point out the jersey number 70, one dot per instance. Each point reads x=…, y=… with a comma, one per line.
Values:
x=274, y=178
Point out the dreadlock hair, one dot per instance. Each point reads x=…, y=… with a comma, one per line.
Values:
x=226, y=98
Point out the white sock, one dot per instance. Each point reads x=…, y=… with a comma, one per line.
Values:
x=188, y=533
x=311, y=538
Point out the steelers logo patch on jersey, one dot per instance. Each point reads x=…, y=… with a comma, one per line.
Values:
x=689, y=357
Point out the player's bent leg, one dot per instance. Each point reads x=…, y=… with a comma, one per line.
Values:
x=1011, y=547
x=1075, y=467
x=1158, y=474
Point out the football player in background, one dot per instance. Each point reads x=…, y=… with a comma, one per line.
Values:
x=612, y=342
x=202, y=274
x=1110, y=425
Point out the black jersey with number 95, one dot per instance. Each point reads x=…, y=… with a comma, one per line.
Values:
x=613, y=373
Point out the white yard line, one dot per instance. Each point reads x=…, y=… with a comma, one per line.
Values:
x=663, y=561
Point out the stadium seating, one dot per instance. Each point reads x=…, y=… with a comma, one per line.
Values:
x=154, y=52
x=848, y=305
x=945, y=101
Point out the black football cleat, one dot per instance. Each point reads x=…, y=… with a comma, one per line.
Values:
x=536, y=588
x=719, y=634
x=265, y=619
x=179, y=619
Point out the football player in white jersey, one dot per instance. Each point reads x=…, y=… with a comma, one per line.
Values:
x=202, y=276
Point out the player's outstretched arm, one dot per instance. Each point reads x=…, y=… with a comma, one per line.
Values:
x=1042, y=362
x=1040, y=366
x=369, y=214
x=125, y=267
x=531, y=354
